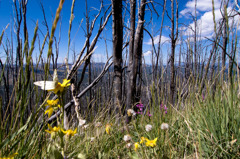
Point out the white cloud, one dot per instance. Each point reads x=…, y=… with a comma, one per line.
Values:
x=156, y=40
x=147, y=57
x=204, y=11
x=202, y=5
x=147, y=53
x=187, y=10
x=205, y=23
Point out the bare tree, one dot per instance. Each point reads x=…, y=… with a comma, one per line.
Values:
x=225, y=36
x=117, y=33
x=136, y=54
x=130, y=97
x=18, y=21
x=173, y=36
x=138, y=42
x=195, y=42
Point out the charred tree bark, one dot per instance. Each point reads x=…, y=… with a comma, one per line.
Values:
x=195, y=43
x=88, y=61
x=179, y=63
x=135, y=68
x=138, y=47
x=24, y=13
x=187, y=65
x=18, y=10
x=130, y=90
x=117, y=32
x=224, y=49
x=174, y=37
x=225, y=39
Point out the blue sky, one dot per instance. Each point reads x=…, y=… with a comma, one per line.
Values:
x=34, y=13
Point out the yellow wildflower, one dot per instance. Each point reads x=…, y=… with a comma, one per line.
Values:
x=136, y=146
x=60, y=87
x=50, y=110
x=10, y=157
x=151, y=143
x=70, y=132
x=143, y=139
x=52, y=102
x=54, y=129
x=108, y=128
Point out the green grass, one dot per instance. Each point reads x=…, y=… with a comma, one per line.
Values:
x=207, y=128
x=199, y=128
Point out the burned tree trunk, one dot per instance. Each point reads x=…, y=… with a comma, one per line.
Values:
x=174, y=37
x=130, y=90
x=195, y=43
x=136, y=45
x=117, y=33
x=225, y=38
x=138, y=48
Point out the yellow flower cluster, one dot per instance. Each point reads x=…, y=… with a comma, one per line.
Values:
x=52, y=105
x=56, y=129
x=136, y=146
x=148, y=143
x=108, y=128
x=60, y=86
x=52, y=130
x=151, y=143
x=69, y=132
x=52, y=102
x=9, y=157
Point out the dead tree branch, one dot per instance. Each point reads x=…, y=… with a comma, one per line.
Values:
x=105, y=69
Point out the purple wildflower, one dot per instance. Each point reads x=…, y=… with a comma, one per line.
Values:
x=165, y=107
x=140, y=105
x=149, y=114
x=140, y=108
x=161, y=106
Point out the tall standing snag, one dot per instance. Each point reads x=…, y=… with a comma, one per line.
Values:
x=135, y=45
x=224, y=36
x=130, y=85
x=173, y=37
x=117, y=32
